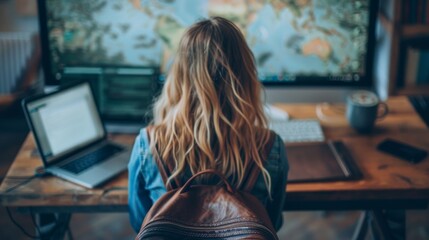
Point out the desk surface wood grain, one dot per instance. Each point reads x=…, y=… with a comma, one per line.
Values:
x=384, y=177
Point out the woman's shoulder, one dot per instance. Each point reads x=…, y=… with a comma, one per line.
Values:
x=275, y=142
x=277, y=154
x=142, y=138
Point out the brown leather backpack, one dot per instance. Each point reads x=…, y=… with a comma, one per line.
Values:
x=209, y=211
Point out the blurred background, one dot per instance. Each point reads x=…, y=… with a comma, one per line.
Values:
x=21, y=75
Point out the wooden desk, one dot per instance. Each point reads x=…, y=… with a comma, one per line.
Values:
x=388, y=182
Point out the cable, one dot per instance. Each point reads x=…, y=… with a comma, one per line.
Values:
x=35, y=224
x=18, y=225
x=18, y=177
x=70, y=234
x=38, y=172
x=20, y=184
x=38, y=231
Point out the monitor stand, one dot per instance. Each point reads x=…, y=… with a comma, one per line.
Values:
x=122, y=127
x=272, y=113
x=284, y=94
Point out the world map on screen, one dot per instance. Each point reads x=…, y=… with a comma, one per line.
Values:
x=287, y=37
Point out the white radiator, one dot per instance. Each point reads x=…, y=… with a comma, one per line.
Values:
x=16, y=50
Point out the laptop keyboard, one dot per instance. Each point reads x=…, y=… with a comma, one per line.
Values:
x=421, y=104
x=91, y=159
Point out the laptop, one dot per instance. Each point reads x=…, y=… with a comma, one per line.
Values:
x=71, y=137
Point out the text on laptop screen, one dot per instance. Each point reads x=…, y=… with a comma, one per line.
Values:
x=66, y=121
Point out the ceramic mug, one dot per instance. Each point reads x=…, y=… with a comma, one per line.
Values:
x=363, y=110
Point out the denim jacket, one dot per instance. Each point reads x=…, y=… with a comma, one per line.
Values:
x=145, y=184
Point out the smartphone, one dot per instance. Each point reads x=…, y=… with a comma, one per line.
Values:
x=402, y=150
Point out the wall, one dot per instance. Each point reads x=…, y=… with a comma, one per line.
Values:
x=12, y=21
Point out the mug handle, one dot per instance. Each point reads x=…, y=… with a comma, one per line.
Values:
x=385, y=110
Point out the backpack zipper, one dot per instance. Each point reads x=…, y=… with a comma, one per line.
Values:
x=232, y=231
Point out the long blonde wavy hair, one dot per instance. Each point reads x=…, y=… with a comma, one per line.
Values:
x=209, y=114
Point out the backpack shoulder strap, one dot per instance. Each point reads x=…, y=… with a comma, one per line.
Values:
x=164, y=170
x=253, y=170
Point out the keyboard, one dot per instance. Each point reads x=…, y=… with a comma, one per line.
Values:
x=421, y=105
x=98, y=156
x=303, y=130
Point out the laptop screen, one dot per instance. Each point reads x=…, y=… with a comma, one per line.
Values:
x=65, y=121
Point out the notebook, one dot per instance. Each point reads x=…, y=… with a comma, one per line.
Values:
x=71, y=137
x=320, y=161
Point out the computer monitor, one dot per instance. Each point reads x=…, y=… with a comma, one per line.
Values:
x=304, y=49
x=295, y=42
